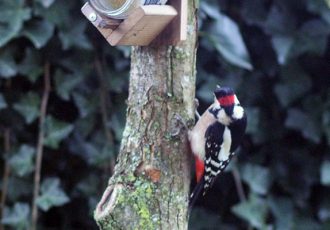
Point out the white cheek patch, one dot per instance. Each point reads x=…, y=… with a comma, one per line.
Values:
x=238, y=112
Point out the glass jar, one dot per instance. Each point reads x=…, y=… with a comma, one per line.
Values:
x=120, y=9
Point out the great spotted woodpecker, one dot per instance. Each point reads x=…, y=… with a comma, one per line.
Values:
x=215, y=137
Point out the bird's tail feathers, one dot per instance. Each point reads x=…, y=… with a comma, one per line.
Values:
x=196, y=193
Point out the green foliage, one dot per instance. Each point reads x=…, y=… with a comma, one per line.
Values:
x=7, y=65
x=300, y=121
x=274, y=53
x=85, y=110
x=55, y=132
x=283, y=210
x=17, y=217
x=325, y=173
x=294, y=84
x=254, y=210
x=13, y=14
x=39, y=32
x=258, y=178
x=28, y=106
x=22, y=161
x=225, y=36
x=3, y=103
x=31, y=65
x=284, y=160
x=51, y=194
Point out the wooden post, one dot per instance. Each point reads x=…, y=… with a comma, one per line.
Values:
x=150, y=186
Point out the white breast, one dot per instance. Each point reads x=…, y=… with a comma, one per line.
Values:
x=225, y=147
x=197, y=134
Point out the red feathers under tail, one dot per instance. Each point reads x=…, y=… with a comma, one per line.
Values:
x=199, y=166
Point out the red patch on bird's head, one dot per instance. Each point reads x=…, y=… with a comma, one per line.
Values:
x=227, y=100
x=225, y=96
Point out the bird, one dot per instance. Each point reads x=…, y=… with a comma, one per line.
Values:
x=215, y=137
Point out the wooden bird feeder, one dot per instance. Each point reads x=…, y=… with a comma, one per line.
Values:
x=145, y=25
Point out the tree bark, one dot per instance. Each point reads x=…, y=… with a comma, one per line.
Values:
x=150, y=185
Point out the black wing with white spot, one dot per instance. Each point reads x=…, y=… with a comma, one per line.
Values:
x=213, y=142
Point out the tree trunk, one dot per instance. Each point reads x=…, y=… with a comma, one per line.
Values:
x=150, y=185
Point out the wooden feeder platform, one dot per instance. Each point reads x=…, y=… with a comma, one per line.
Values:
x=146, y=25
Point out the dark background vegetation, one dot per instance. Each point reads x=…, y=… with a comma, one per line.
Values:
x=275, y=53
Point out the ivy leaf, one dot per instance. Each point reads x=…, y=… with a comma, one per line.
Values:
x=228, y=41
x=39, y=32
x=257, y=177
x=13, y=14
x=85, y=150
x=312, y=37
x=75, y=36
x=17, y=217
x=46, y=3
x=326, y=125
x=324, y=210
x=31, y=66
x=84, y=126
x=55, y=132
x=279, y=22
x=22, y=161
x=28, y=107
x=3, y=103
x=320, y=7
x=294, y=84
x=86, y=105
x=104, y=155
x=212, y=10
x=254, y=211
x=328, y=3
x=283, y=210
x=282, y=45
x=8, y=66
x=65, y=83
x=325, y=173
x=52, y=194
x=300, y=121
x=57, y=13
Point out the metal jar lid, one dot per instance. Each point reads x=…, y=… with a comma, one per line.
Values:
x=120, y=9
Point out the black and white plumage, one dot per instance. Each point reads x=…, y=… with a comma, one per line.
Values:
x=215, y=162
x=221, y=138
x=221, y=143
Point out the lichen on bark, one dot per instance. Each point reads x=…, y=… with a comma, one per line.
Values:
x=150, y=185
